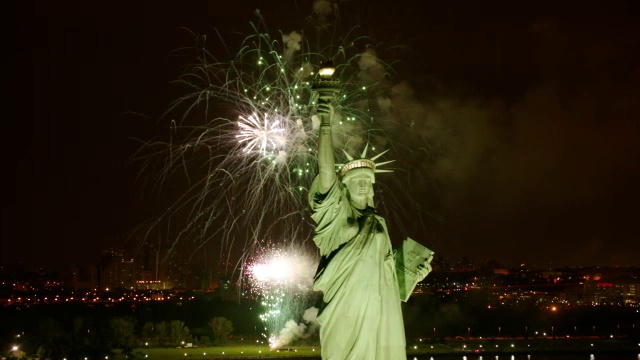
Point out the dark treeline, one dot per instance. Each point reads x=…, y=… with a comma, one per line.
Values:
x=77, y=329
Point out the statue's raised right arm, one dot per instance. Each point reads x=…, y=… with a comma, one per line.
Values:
x=326, y=159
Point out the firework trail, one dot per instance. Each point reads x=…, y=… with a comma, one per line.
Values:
x=243, y=146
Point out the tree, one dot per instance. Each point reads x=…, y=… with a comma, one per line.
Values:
x=81, y=331
x=122, y=333
x=221, y=328
x=161, y=332
x=148, y=330
x=50, y=330
x=178, y=332
x=51, y=335
x=204, y=341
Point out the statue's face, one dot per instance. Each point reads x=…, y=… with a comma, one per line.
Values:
x=359, y=187
x=359, y=182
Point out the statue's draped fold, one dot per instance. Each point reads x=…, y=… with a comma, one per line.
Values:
x=361, y=317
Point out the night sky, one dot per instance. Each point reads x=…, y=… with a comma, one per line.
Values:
x=534, y=119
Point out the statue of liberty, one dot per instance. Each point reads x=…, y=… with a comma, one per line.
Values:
x=359, y=274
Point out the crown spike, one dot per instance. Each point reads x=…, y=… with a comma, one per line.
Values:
x=364, y=152
x=362, y=162
x=377, y=156
x=349, y=157
x=383, y=163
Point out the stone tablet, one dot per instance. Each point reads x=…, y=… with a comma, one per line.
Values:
x=411, y=258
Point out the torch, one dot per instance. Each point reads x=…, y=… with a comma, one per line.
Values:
x=325, y=89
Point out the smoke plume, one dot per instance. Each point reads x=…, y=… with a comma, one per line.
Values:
x=293, y=331
x=292, y=43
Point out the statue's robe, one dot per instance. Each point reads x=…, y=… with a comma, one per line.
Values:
x=361, y=317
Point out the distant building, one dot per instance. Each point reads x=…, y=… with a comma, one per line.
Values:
x=116, y=270
x=611, y=293
x=79, y=277
x=149, y=285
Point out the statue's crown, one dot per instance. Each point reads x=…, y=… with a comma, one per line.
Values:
x=362, y=162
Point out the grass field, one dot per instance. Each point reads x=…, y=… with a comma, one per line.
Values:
x=230, y=351
x=263, y=351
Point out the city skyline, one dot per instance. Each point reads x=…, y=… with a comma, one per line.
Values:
x=535, y=157
x=592, y=286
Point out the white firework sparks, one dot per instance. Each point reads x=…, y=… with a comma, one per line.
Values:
x=283, y=269
x=282, y=278
x=263, y=135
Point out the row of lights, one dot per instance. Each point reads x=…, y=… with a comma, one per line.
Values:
x=15, y=348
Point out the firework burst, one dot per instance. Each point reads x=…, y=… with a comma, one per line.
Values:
x=265, y=136
x=282, y=278
x=247, y=178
